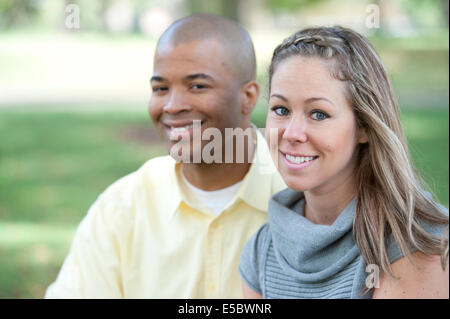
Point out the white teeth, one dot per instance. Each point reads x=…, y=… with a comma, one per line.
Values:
x=298, y=159
x=181, y=129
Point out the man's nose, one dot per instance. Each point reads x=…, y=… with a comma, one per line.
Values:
x=177, y=103
x=296, y=130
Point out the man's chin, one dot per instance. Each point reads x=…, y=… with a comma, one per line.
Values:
x=184, y=153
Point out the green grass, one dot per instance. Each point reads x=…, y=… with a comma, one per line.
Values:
x=52, y=168
x=54, y=165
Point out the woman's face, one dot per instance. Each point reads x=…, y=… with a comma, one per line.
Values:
x=317, y=132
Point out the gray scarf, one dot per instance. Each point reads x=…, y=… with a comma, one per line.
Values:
x=307, y=251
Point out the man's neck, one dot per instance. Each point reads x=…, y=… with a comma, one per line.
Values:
x=210, y=177
x=216, y=176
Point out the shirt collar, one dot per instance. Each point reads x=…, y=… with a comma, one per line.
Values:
x=178, y=193
x=256, y=187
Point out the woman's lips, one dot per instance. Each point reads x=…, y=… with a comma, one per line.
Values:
x=297, y=162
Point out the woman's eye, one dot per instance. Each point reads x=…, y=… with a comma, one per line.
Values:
x=319, y=115
x=280, y=110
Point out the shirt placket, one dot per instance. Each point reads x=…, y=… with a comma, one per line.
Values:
x=213, y=258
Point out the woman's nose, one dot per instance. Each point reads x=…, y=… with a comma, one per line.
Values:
x=296, y=130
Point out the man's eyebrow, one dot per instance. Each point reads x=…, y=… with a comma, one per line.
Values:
x=157, y=78
x=199, y=76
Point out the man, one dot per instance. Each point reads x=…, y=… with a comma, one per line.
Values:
x=175, y=229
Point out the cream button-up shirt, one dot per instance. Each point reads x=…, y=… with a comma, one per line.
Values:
x=144, y=238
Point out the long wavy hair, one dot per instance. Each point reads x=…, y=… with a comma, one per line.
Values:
x=391, y=196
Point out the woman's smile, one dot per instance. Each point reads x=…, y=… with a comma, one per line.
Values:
x=298, y=162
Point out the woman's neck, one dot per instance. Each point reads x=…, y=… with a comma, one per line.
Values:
x=324, y=206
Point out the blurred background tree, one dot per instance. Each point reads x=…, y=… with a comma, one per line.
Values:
x=18, y=12
x=289, y=5
x=73, y=103
x=227, y=8
x=427, y=12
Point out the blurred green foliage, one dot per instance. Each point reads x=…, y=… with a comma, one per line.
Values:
x=54, y=164
x=289, y=5
x=427, y=13
x=16, y=12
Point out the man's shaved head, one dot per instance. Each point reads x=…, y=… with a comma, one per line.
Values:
x=236, y=42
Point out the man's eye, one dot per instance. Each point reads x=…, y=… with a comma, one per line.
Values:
x=280, y=110
x=198, y=86
x=319, y=115
x=159, y=88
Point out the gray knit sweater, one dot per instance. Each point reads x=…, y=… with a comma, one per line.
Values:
x=290, y=257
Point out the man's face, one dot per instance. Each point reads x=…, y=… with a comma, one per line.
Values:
x=191, y=81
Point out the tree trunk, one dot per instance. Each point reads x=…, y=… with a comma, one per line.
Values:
x=445, y=7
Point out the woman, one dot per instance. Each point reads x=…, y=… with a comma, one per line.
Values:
x=355, y=221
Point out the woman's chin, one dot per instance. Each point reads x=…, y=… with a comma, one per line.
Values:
x=296, y=186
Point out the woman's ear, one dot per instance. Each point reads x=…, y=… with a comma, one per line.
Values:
x=362, y=136
x=250, y=94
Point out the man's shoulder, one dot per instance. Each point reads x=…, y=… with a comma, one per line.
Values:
x=152, y=173
x=140, y=191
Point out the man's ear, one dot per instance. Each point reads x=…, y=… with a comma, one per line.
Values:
x=249, y=97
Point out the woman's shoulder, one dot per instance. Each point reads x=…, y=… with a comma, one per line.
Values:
x=252, y=258
x=426, y=278
x=257, y=243
x=429, y=227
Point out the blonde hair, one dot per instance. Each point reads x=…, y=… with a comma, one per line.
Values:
x=390, y=195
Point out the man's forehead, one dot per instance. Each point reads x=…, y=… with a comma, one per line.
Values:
x=201, y=55
x=192, y=46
